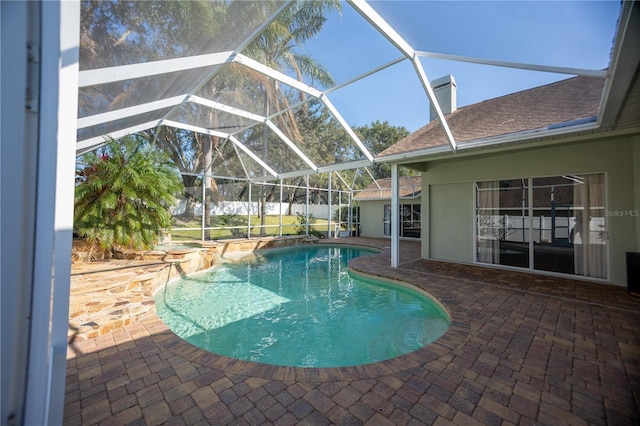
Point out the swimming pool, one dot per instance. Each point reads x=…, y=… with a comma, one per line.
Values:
x=300, y=307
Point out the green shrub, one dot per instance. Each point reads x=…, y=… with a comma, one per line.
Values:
x=124, y=193
x=231, y=220
x=301, y=227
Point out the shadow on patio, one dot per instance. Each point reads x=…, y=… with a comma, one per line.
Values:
x=522, y=349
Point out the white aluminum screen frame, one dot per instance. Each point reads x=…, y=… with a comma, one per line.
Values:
x=221, y=59
x=127, y=72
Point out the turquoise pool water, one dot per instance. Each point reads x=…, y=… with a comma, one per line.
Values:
x=300, y=307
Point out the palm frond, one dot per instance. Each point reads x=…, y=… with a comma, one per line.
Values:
x=124, y=195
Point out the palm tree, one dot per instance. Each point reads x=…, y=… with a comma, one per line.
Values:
x=124, y=194
x=276, y=48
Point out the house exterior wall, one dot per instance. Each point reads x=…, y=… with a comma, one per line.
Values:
x=371, y=218
x=450, y=188
x=450, y=222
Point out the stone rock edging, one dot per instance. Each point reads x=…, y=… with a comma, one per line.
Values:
x=116, y=292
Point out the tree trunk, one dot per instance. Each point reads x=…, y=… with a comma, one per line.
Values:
x=190, y=199
x=190, y=207
x=291, y=197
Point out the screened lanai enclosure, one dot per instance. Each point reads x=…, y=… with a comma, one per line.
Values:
x=257, y=102
x=243, y=109
x=267, y=104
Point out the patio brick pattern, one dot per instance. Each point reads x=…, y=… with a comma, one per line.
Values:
x=522, y=349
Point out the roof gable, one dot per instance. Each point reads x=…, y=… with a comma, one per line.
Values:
x=409, y=187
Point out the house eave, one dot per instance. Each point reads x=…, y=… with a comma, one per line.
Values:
x=528, y=137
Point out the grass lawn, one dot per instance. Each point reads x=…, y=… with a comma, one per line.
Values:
x=289, y=225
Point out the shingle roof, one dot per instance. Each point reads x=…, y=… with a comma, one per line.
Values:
x=565, y=101
x=410, y=186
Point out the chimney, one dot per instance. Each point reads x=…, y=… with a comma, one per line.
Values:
x=445, y=90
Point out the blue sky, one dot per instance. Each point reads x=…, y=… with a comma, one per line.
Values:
x=561, y=33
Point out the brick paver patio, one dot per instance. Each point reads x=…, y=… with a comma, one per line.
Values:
x=521, y=349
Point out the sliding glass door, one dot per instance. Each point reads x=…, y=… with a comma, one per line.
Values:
x=554, y=224
x=553, y=217
x=410, y=221
x=501, y=222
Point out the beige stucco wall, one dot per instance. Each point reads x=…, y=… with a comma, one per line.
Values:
x=371, y=216
x=449, y=184
x=451, y=221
